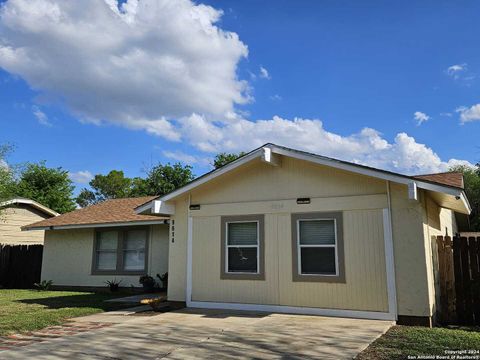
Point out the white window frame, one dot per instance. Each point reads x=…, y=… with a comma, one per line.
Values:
x=300, y=246
x=242, y=246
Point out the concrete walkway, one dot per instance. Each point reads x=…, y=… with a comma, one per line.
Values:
x=206, y=334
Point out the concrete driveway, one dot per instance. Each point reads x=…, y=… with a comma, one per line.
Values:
x=212, y=334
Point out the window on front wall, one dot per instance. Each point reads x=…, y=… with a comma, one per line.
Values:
x=242, y=247
x=107, y=245
x=121, y=251
x=317, y=240
x=317, y=247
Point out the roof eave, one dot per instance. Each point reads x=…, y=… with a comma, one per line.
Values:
x=160, y=221
x=32, y=203
x=342, y=165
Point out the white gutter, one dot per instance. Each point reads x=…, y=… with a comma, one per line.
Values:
x=104, y=225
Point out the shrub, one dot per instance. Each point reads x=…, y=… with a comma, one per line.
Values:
x=43, y=285
x=147, y=282
x=113, y=284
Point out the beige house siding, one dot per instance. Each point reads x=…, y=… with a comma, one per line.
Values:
x=263, y=189
x=259, y=188
x=411, y=272
x=67, y=258
x=13, y=218
x=436, y=221
x=365, y=287
x=177, y=263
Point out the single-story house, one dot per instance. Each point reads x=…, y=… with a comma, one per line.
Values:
x=276, y=230
x=19, y=212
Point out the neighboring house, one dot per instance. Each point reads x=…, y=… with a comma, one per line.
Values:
x=275, y=230
x=19, y=212
x=87, y=247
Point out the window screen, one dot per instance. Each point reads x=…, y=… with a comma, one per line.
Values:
x=134, y=250
x=317, y=247
x=242, y=247
x=106, y=252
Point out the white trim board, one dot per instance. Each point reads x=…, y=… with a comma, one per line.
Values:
x=32, y=203
x=374, y=315
x=88, y=226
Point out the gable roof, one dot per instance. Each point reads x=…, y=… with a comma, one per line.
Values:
x=446, y=178
x=437, y=184
x=31, y=203
x=112, y=212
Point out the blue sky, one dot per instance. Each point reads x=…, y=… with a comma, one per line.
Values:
x=340, y=66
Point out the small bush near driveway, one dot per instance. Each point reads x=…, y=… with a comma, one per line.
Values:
x=401, y=341
x=26, y=310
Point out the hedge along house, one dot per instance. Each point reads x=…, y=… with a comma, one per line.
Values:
x=287, y=231
x=89, y=246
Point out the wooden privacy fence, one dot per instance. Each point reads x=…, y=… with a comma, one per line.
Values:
x=20, y=265
x=459, y=271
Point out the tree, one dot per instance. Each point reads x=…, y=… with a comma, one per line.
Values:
x=6, y=176
x=49, y=186
x=225, y=158
x=162, y=179
x=111, y=186
x=471, y=179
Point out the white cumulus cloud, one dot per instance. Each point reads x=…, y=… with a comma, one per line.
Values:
x=420, y=117
x=455, y=70
x=41, y=117
x=137, y=64
x=264, y=74
x=367, y=147
x=468, y=114
x=81, y=177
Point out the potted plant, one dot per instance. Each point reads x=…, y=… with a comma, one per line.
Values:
x=164, y=279
x=113, y=284
x=147, y=282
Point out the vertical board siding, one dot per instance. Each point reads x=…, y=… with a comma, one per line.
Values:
x=365, y=287
x=258, y=181
x=207, y=285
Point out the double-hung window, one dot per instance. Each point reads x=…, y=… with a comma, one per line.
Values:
x=318, y=247
x=120, y=251
x=242, y=247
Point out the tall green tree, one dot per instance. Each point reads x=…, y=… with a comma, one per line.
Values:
x=49, y=186
x=225, y=158
x=162, y=179
x=103, y=187
x=7, y=178
x=471, y=177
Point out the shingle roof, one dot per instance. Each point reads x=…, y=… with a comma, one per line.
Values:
x=107, y=212
x=447, y=178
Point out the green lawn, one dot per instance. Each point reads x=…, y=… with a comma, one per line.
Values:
x=24, y=310
x=401, y=341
